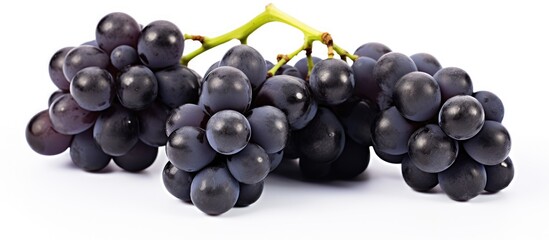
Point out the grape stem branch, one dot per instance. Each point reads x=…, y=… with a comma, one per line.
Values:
x=271, y=14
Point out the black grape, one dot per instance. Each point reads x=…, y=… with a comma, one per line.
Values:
x=314, y=170
x=68, y=117
x=499, y=176
x=177, y=182
x=140, y=157
x=42, y=138
x=249, y=193
x=123, y=56
x=269, y=128
x=464, y=180
x=116, y=130
x=152, y=124
x=332, y=81
x=188, y=149
x=394, y=159
x=249, y=61
x=116, y=29
x=137, y=87
x=391, y=131
x=275, y=159
x=302, y=66
x=387, y=71
x=93, y=89
x=352, y=162
x=357, y=117
x=415, y=178
x=453, y=81
x=186, y=115
x=461, y=117
x=365, y=84
x=492, y=105
x=491, y=145
x=228, y=132
x=160, y=44
x=225, y=88
x=86, y=154
x=431, y=150
x=417, y=96
x=249, y=166
x=372, y=50
x=214, y=191
x=82, y=57
x=56, y=69
x=426, y=63
x=55, y=95
x=177, y=85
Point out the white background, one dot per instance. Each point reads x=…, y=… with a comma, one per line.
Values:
x=503, y=45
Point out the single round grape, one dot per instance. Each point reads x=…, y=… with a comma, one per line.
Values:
x=302, y=66
x=137, y=87
x=391, y=131
x=225, y=88
x=186, y=115
x=55, y=95
x=152, y=124
x=426, y=63
x=42, y=138
x=188, y=149
x=82, y=57
x=292, y=96
x=249, y=166
x=431, y=150
x=387, y=71
x=86, y=154
x=177, y=182
x=123, y=56
x=352, y=162
x=417, y=96
x=464, y=180
x=249, y=61
x=415, y=178
x=177, y=85
x=228, y=132
x=491, y=145
x=140, y=157
x=314, y=170
x=365, y=84
x=357, y=118
x=93, y=89
x=117, y=29
x=332, y=81
x=249, y=194
x=323, y=139
x=461, y=117
x=214, y=191
x=68, y=117
x=116, y=130
x=499, y=176
x=372, y=50
x=492, y=105
x=453, y=81
x=394, y=159
x=56, y=69
x=275, y=159
x=270, y=128
x=160, y=44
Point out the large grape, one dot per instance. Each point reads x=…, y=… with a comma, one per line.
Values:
x=249, y=61
x=365, y=84
x=86, y=154
x=177, y=182
x=93, y=89
x=461, y=117
x=387, y=71
x=249, y=166
x=417, y=96
x=116, y=29
x=416, y=178
x=177, y=85
x=225, y=88
x=116, y=130
x=269, y=128
x=160, y=44
x=42, y=138
x=491, y=145
x=137, y=87
x=499, y=176
x=68, y=117
x=228, y=132
x=152, y=124
x=431, y=150
x=332, y=81
x=214, y=191
x=464, y=180
x=82, y=57
x=453, y=81
x=492, y=105
x=186, y=115
x=188, y=149
x=391, y=131
x=140, y=157
x=426, y=63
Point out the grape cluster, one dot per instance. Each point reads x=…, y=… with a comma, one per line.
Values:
x=115, y=94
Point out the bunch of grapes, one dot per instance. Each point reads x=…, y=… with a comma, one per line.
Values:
x=115, y=94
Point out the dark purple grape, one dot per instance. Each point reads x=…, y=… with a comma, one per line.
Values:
x=56, y=69
x=152, y=124
x=387, y=71
x=323, y=139
x=249, y=61
x=116, y=130
x=275, y=159
x=228, y=132
x=499, y=176
x=42, y=138
x=140, y=157
x=186, y=115
x=391, y=131
x=177, y=182
x=160, y=44
x=491, y=145
x=188, y=149
x=292, y=96
x=492, y=105
x=249, y=194
x=249, y=166
x=137, y=87
x=55, y=95
x=461, y=117
x=365, y=84
x=86, y=154
x=82, y=57
x=417, y=96
x=332, y=81
x=314, y=170
x=372, y=50
x=426, y=63
x=415, y=178
x=352, y=162
x=453, y=81
x=292, y=71
x=68, y=117
x=394, y=159
x=464, y=180
x=225, y=88
x=93, y=89
x=117, y=29
x=357, y=117
x=123, y=56
x=214, y=191
x=302, y=66
x=177, y=85
x=431, y=150
x=269, y=128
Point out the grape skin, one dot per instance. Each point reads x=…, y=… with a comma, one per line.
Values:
x=86, y=154
x=249, y=166
x=431, y=150
x=225, y=88
x=177, y=182
x=93, y=89
x=249, y=194
x=417, y=96
x=188, y=149
x=177, y=85
x=68, y=117
x=160, y=44
x=269, y=128
x=461, y=117
x=214, y=191
x=116, y=29
x=249, y=61
x=372, y=50
x=453, y=81
x=42, y=138
x=391, y=131
x=139, y=158
x=492, y=105
x=56, y=69
x=464, y=180
x=491, y=145
x=82, y=57
x=228, y=132
x=137, y=87
x=387, y=71
x=116, y=130
x=426, y=63
x=499, y=176
x=416, y=178
x=186, y=115
x=332, y=81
